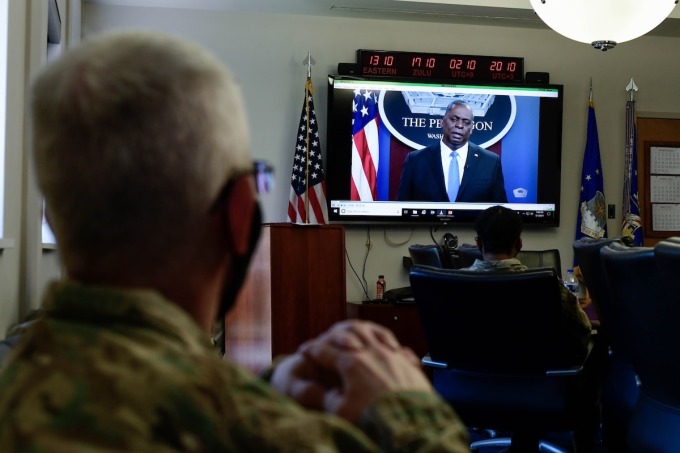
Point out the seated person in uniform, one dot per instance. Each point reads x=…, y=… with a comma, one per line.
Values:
x=499, y=237
x=499, y=231
x=142, y=152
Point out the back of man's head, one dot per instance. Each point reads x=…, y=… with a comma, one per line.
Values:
x=498, y=229
x=135, y=134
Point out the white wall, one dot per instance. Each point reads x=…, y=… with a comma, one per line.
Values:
x=24, y=266
x=9, y=256
x=266, y=53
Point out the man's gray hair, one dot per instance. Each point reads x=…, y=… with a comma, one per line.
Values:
x=135, y=133
x=456, y=102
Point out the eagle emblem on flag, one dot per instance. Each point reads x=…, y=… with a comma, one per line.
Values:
x=594, y=216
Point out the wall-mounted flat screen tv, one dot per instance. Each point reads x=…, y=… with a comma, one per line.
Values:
x=374, y=124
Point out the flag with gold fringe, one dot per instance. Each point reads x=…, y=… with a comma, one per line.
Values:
x=307, y=202
x=592, y=208
x=632, y=222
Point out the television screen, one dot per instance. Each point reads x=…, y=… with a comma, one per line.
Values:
x=374, y=124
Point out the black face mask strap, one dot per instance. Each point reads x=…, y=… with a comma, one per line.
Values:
x=240, y=266
x=239, y=271
x=263, y=174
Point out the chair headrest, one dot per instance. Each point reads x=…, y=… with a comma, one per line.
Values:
x=669, y=246
x=428, y=254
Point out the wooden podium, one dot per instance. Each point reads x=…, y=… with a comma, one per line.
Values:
x=294, y=291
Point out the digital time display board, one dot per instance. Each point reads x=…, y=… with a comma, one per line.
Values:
x=386, y=63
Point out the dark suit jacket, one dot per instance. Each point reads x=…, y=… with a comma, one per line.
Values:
x=422, y=178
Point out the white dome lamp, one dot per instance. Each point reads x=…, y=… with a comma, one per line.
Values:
x=603, y=23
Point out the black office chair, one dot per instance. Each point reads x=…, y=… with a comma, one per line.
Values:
x=468, y=253
x=428, y=255
x=536, y=259
x=620, y=388
x=498, y=354
x=533, y=259
x=643, y=280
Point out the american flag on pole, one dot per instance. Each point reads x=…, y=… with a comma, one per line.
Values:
x=307, y=203
x=632, y=223
x=365, y=146
x=592, y=209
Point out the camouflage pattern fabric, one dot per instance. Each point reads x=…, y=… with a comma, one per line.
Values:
x=126, y=370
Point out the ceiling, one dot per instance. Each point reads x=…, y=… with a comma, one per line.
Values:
x=507, y=13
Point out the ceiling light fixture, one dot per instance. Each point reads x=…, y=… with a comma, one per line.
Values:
x=603, y=23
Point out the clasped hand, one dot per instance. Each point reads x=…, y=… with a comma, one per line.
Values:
x=347, y=368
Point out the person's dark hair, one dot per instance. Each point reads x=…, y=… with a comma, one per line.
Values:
x=498, y=229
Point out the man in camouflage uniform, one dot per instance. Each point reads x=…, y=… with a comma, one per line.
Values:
x=499, y=238
x=141, y=151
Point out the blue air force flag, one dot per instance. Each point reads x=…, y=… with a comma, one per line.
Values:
x=592, y=208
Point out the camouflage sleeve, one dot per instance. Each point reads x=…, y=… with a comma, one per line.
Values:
x=573, y=310
x=576, y=322
x=415, y=422
x=408, y=422
x=79, y=387
x=399, y=422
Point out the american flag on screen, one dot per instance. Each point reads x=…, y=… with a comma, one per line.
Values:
x=365, y=146
x=307, y=203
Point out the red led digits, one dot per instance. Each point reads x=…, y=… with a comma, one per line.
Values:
x=440, y=66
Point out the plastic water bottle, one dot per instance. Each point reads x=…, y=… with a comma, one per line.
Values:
x=380, y=288
x=571, y=283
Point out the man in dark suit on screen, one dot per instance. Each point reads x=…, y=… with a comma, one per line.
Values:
x=454, y=169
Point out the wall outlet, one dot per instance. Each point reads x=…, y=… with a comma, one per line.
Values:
x=611, y=211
